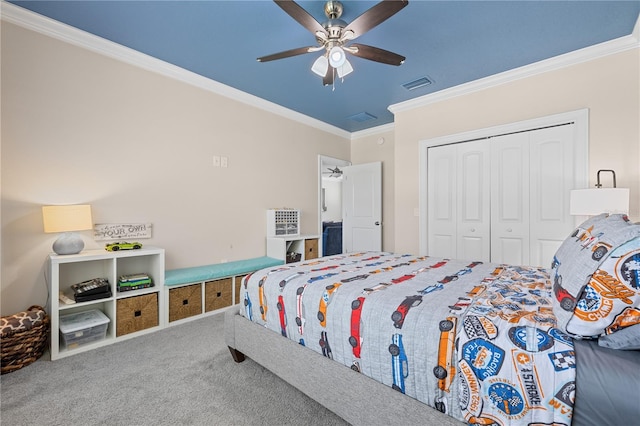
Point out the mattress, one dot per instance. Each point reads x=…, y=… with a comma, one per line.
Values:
x=475, y=340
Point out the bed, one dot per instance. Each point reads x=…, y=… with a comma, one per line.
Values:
x=383, y=338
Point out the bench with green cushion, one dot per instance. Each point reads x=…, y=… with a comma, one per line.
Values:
x=174, y=277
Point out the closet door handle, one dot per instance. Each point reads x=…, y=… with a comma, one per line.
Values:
x=509, y=230
x=377, y=223
x=472, y=229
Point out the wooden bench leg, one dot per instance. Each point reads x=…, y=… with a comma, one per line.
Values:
x=237, y=355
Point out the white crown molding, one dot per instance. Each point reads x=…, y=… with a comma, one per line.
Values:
x=586, y=54
x=49, y=27
x=384, y=128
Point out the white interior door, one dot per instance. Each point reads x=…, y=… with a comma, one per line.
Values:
x=362, y=207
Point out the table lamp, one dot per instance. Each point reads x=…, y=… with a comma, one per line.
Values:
x=67, y=219
x=594, y=201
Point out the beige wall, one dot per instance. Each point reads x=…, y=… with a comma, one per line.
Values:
x=368, y=149
x=78, y=127
x=609, y=87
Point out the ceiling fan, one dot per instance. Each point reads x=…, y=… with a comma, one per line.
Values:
x=335, y=172
x=334, y=35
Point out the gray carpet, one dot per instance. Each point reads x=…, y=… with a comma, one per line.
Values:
x=182, y=375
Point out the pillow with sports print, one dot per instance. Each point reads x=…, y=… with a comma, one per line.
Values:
x=576, y=285
x=610, y=299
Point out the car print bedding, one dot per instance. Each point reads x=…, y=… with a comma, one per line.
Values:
x=475, y=340
x=484, y=343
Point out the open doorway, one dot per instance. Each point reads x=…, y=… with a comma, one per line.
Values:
x=330, y=204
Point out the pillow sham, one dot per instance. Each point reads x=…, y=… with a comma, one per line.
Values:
x=595, y=275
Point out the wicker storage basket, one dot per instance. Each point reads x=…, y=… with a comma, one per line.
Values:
x=136, y=313
x=218, y=294
x=185, y=302
x=24, y=338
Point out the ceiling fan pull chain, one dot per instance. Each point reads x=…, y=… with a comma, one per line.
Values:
x=333, y=83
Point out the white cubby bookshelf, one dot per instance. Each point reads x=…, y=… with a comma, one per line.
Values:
x=66, y=270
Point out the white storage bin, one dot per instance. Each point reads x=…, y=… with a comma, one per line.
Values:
x=283, y=222
x=84, y=327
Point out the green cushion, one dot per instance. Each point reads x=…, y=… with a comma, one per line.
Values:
x=219, y=270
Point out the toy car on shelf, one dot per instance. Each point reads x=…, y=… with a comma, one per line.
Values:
x=122, y=246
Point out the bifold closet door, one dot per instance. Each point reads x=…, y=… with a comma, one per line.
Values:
x=442, y=205
x=552, y=177
x=510, y=199
x=458, y=208
x=473, y=192
x=503, y=199
x=532, y=176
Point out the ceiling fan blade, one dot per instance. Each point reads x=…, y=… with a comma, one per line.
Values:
x=302, y=16
x=375, y=54
x=287, y=54
x=375, y=16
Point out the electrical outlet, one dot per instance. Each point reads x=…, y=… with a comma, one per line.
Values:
x=216, y=161
x=224, y=161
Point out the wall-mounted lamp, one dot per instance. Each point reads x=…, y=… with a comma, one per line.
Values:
x=67, y=219
x=592, y=202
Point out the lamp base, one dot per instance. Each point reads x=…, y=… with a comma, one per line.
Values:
x=68, y=243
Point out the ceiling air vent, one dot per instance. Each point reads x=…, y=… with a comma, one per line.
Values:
x=415, y=84
x=361, y=117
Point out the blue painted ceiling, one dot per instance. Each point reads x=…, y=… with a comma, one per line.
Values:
x=450, y=42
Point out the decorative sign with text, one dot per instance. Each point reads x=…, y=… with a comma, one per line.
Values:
x=121, y=231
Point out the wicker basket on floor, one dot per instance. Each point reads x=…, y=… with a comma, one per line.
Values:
x=23, y=338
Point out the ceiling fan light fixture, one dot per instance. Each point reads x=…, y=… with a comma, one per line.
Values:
x=345, y=69
x=337, y=56
x=320, y=66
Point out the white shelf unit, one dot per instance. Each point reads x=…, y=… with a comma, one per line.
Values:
x=283, y=247
x=65, y=270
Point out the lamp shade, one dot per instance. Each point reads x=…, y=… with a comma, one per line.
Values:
x=321, y=66
x=337, y=57
x=66, y=218
x=592, y=202
x=345, y=69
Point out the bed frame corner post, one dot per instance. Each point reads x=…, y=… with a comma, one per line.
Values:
x=236, y=355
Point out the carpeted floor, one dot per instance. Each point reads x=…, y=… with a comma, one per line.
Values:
x=182, y=375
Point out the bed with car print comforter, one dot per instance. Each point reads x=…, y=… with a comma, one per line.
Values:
x=483, y=343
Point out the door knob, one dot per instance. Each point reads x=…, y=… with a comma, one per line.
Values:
x=377, y=223
x=509, y=229
x=472, y=229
